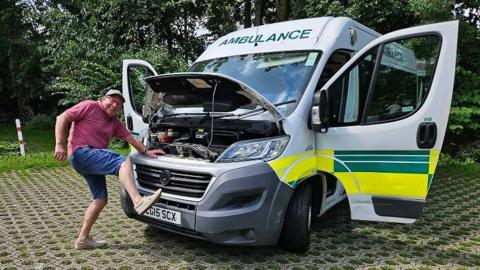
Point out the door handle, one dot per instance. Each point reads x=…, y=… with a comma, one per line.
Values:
x=426, y=135
x=129, y=123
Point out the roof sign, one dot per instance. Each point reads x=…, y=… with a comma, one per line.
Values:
x=274, y=37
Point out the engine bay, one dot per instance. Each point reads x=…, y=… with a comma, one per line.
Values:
x=204, y=138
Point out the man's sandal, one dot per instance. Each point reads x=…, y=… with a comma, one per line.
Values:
x=90, y=244
x=147, y=202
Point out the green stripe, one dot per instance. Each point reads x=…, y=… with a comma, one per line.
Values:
x=388, y=158
x=383, y=167
x=293, y=183
x=134, y=133
x=430, y=178
x=384, y=152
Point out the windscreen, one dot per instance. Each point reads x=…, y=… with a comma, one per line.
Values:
x=280, y=77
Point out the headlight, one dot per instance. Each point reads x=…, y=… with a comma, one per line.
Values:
x=266, y=149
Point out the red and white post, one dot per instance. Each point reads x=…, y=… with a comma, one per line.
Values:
x=20, y=137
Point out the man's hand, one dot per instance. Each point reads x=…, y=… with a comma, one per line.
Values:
x=60, y=154
x=60, y=130
x=154, y=153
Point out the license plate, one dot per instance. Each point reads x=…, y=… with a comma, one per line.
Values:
x=164, y=215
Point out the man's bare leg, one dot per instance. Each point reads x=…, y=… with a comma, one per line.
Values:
x=128, y=181
x=91, y=215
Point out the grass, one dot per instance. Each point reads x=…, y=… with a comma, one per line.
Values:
x=39, y=149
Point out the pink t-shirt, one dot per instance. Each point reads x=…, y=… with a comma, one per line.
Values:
x=92, y=126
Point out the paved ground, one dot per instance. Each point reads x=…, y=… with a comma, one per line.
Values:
x=40, y=212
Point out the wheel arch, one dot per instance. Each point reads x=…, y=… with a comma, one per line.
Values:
x=319, y=183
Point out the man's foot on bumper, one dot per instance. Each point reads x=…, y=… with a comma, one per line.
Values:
x=147, y=202
x=89, y=244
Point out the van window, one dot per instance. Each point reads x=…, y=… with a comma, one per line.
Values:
x=348, y=93
x=403, y=78
x=137, y=85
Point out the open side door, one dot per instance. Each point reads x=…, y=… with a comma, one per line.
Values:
x=134, y=89
x=387, y=115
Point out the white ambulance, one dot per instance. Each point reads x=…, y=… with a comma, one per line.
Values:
x=275, y=124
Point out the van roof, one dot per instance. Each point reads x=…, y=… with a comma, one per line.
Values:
x=297, y=35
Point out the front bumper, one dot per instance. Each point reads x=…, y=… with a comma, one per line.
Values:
x=244, y=206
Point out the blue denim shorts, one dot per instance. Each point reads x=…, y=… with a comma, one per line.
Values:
x=94, y=164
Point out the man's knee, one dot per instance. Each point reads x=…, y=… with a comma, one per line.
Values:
x=100, y=203
x=126, y=165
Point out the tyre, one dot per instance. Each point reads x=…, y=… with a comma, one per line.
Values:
x=296, y=226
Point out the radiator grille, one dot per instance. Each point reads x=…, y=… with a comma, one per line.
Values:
x=181, y=182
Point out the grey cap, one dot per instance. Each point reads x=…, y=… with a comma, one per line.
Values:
x=115, y=92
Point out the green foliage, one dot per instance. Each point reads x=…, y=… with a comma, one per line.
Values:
x=160, y=58
x=21, y=79
x=222, y=18
x=41, y=122
x=464, y=122
x=118, y=144
x=9, y=148
x=87, y=41
x=457, y=167
x=470, y=152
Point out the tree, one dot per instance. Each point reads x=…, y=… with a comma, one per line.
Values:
x=222, y=18
x=283, y=10
x=85, y=42
x=21, y=82
x=260, y=6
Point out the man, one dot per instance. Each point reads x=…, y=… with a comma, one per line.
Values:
x=94, y=123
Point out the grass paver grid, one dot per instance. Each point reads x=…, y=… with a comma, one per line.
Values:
x=41, y=211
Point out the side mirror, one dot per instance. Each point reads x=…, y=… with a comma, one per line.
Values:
x=319, y=114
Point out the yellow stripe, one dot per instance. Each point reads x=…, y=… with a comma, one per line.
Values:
x=434, y=154
x=325, y=160
x=348, y=182
x=393, y=184
x=282, y=164
x=302, y=169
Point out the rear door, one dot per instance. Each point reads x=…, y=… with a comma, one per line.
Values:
x=134, y=89
x=388, y=112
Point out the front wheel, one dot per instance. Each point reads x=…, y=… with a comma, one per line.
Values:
x=296, y=227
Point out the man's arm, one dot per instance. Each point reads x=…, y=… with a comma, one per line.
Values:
x=142, y=149
x=60, y=136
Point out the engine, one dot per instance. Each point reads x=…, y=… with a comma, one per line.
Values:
x=194, y=137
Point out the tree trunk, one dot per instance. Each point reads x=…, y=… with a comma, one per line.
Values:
x=185, y=21
x=259, y=12
x=248, y=16
x=283, y=10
